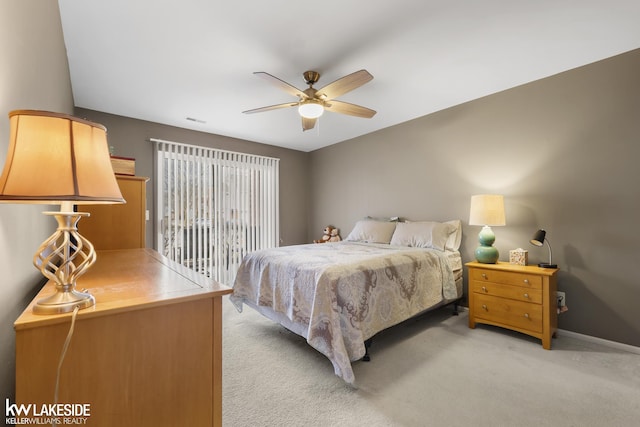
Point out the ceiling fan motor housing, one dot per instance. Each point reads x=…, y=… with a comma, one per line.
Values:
x=311, y=77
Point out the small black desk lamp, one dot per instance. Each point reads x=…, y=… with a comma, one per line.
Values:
x=538, y=239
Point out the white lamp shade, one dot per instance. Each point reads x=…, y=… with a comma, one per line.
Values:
x=55, y=158
x=487, y=209
x=311, y=109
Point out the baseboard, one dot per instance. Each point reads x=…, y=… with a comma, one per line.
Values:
x=601, y=341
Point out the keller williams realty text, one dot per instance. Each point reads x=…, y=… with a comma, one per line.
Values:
x=58, y=410
x=45, y=421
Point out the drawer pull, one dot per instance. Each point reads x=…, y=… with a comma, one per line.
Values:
x=484, y=289
x=484, y=307
x=484, y=276
x=526, y=295
x=526, y=315
x=526, y=281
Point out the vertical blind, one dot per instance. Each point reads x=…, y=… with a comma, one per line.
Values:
x=214, y=206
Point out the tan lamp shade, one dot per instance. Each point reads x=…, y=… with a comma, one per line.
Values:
x=487, y=209
x=55, y=158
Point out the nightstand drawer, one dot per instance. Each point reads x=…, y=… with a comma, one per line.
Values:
x=507, y=291
x=507, y=277
x=508, y=312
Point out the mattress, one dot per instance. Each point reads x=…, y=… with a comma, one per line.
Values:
x=337, y=295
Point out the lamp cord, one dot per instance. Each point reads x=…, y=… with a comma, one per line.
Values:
x=64, y=352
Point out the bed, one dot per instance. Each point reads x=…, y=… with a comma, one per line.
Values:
x=339, y=295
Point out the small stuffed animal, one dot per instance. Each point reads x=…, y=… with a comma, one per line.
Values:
x=335, y=235
x=326, y=235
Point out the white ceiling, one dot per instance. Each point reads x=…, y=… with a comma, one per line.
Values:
x=166, y=60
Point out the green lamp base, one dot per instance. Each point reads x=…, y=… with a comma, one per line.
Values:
x=486, y=253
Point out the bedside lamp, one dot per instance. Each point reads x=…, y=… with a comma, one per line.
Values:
x=56, y=159
x=538, y=239
x=487, y=210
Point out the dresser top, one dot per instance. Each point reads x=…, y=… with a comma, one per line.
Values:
x=129, y=279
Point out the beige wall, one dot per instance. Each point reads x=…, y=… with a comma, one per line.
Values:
x=564, y=152
x=34, y=74
x=130, y=138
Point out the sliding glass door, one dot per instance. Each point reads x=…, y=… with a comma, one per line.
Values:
x=214, y=206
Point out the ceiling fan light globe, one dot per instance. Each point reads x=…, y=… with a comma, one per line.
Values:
x=311, y=110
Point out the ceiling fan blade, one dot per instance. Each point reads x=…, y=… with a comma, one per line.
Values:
x=281, y=84
x=344, y=85
x=308, y=123
x=350, y=109
x=271, y=107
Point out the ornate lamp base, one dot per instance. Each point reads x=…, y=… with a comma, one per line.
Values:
x=62, y=258
x=64, y=302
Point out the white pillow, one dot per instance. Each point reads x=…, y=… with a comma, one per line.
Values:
x=371, y=231
x=455, y=238
x=390, y=219
x=423, y=234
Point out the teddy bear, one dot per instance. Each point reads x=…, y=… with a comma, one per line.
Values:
x=326, y=236
x=335, y=235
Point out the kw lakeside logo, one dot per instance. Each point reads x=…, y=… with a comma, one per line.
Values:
x=51, y=414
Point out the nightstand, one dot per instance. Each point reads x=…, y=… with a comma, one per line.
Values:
x=517, y=297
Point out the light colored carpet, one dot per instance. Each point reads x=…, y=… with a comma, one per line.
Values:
x=429, y=371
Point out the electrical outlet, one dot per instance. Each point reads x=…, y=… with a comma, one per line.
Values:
x=561, y=298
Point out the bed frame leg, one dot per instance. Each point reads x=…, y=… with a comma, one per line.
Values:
x=455, y=309
x=367, y=344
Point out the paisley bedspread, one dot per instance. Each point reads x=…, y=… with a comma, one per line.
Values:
x=337, y=295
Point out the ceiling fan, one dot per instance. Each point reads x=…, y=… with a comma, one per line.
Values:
x=313, y=102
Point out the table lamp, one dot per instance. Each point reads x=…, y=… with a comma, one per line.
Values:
x=538, y=239
x=487, y=210
x=56, y=159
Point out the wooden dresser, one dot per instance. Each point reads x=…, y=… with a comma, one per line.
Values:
x=147, y=354
x=118, y=226
x=521, y=298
